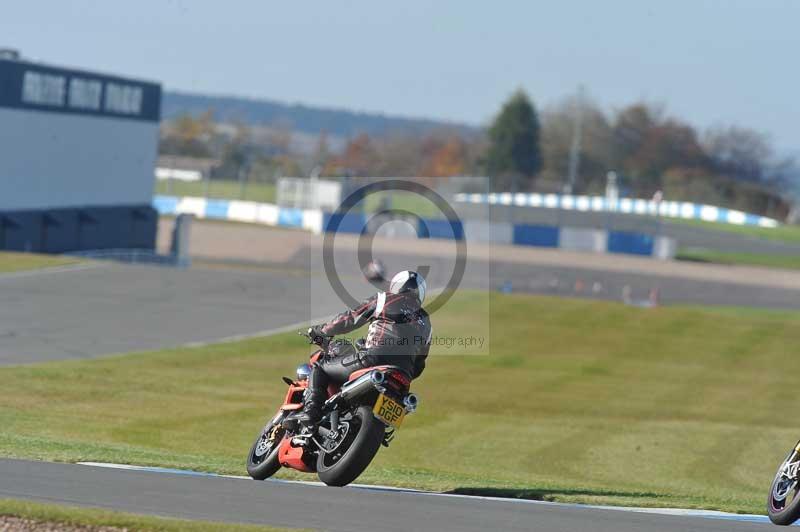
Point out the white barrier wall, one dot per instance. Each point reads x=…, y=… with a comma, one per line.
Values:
x=396, y=229
x=667, y=209
x=576, y=239
x=664, y=247
x=492, y=232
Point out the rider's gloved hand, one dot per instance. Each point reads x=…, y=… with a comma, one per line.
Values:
x=316, y=335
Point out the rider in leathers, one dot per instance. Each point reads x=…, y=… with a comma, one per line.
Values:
x=399, y=335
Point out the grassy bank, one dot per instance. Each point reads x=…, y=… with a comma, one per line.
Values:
x=57, y=517
x=787, y=262
x=13, y=262
x=782, y=233
x=579, y=400
x=218, y=189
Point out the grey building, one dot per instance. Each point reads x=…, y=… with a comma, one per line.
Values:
x=77, y=156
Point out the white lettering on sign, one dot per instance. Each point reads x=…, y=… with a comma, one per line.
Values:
x=123, y=99
x=85, y=93
x=81, y=93
x=43, y=89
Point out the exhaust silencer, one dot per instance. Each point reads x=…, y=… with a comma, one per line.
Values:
x=365, y=383
x=411, y=402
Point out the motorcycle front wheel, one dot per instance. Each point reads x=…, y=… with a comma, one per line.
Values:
x=783, y=503
x=359, y=437
x=262, y=461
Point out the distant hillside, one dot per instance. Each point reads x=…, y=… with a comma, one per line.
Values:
x=301, y=118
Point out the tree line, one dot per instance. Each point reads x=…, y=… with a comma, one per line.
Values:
x=523, y=149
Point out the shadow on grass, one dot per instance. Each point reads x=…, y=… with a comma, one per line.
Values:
x=552, y=494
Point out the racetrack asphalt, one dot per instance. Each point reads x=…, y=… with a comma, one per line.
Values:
x=296, y=505
x=115, y=308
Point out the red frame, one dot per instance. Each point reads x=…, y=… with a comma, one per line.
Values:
x=288, y=454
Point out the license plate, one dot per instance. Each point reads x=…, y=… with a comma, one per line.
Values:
x=389, y=411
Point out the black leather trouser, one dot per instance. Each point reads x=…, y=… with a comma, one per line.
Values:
x=334, y=370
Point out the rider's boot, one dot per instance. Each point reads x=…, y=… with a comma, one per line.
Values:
x=312, y=413
x=312, y=409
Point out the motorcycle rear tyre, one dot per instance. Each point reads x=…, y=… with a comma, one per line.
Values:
x=361, y=452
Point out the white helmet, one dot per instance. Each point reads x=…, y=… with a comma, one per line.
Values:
x=408, y=281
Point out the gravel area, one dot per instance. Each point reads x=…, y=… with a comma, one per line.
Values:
x=18, y=524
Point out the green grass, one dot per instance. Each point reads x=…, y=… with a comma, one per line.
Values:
x=265, y=193
x=580, y=401
x=70, y=515
x=403, y=201
x=219, y=189
x=788, y=262
x=13, y=262
x=782, y=233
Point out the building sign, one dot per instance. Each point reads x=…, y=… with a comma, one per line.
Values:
x=26, y=85
x=43, y=89
x=85, y=93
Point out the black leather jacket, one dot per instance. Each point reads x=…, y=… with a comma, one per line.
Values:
x=399, y=331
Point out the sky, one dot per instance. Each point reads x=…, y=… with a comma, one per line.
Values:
x=709, y=62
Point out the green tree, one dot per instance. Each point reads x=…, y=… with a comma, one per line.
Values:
x=649, y=144
x=514, y=150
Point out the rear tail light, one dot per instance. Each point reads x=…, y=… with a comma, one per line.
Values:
x=401, y=378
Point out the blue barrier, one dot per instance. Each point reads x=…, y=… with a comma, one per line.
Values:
x=290, y=217
x=446, y=229
x=630, y=243
x=752, y=219
x=217, y=209
x=165, y=204
x=344, y=223
x=536, y=235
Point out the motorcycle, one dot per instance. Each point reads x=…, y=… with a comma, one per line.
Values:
x=783, y=502
x=358, y=417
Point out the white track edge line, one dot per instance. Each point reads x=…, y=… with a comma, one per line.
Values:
x=676, y=512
